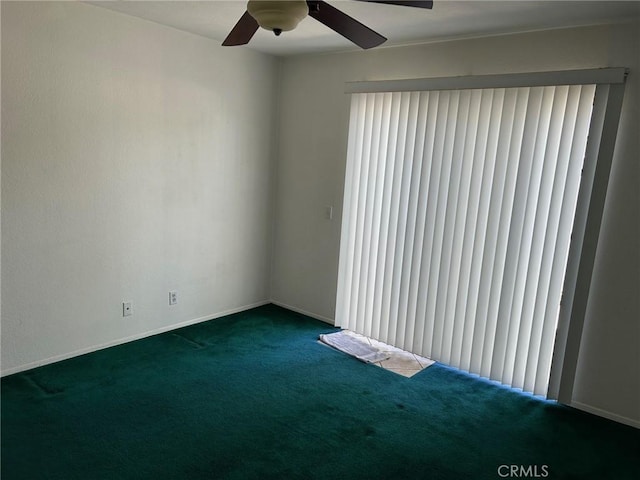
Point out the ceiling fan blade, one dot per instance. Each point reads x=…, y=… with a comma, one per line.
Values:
x=242, y=32
x=348, y=27
x=405, y=3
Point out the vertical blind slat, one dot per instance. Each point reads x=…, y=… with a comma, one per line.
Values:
x=390, y=210
x=513, y=226
x=381, y=216
x=434, y=334
x=477, y=217
x=461, y=231
x=482, y=343
x=525, y=269
x=349, y=215
x=443, y=329
x=536, y=284
x=423, y=342
x=397, y=232
x=505, y=208
x=415, y=148
x=423, y=143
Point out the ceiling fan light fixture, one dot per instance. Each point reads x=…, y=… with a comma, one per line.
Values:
x=278, y=16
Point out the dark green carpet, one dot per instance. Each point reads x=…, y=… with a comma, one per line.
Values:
x=253, y=395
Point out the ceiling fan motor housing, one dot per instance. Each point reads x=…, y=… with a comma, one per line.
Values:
x=278, y=16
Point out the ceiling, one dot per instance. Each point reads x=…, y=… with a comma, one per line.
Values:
x=401, y=25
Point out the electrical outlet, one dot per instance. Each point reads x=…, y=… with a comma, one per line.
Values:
x=126, y=309
x=173, y=297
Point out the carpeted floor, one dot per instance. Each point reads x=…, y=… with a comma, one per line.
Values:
x=253, y=395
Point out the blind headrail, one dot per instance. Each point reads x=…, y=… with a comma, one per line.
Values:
x=533, y=79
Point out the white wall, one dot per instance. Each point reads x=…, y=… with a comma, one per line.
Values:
x=311, y=164
x=137, y=159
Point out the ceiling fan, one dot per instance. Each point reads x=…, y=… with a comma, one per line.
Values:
x=284, y=15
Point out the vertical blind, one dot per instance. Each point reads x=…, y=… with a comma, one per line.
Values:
x=457, y=219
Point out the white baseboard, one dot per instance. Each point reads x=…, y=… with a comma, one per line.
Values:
x=604, y=413
x=330, y=321
x=120, y=341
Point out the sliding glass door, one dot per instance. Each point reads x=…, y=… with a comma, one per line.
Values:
x=457, y=219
